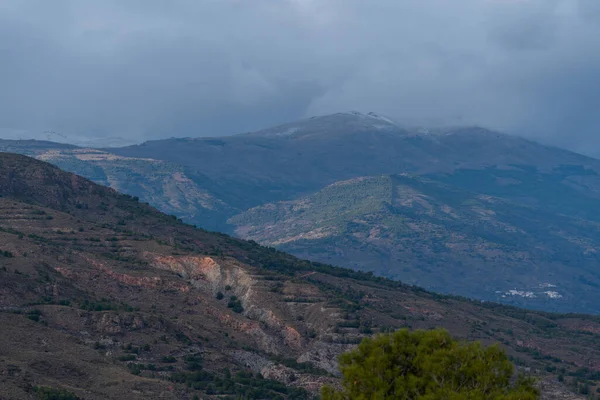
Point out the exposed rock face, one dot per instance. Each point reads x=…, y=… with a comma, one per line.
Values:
x=272, y=370
x=113, y=323
x=324, y=355
x=206, y=274
x=105, y=296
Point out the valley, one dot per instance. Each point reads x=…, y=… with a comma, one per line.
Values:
x=463, y=211
x=103, y=295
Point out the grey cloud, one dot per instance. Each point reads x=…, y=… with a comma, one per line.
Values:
x=148, y=69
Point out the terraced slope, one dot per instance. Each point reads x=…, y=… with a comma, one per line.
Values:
x=529, y=236
x=453, y=233
x=174, y=189
x=105, y=297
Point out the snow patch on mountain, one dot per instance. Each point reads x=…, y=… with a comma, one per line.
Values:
x=371, y=115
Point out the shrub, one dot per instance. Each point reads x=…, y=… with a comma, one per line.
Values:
x=235, y=304
x=48, y=393
x=427, y=365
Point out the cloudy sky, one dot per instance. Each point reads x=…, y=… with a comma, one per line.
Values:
x=148, y=68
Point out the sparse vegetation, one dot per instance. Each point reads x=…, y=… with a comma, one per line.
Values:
x=105, y=305
x=244, y=384
x=34, y=315
x=49, y=393
x=6, y=253
x=64, y=268
x=235, y=304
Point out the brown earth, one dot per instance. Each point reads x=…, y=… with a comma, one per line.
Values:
x=108, y=298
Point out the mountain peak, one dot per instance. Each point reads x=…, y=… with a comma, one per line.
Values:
x=342, y=123
x=370, y=115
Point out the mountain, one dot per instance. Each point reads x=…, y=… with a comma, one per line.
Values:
x=453, y=238
x=172, y=188
x=105, y=297
x=533, y=221
x=285, y=162
x=58, y=137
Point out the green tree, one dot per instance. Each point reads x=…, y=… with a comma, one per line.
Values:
x=427, y=365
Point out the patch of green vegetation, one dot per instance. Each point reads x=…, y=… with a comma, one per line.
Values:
x=427, y=364
x=34, y=315
x=243, y=384
x=6, y=253
x=137, y=368
x=193, y=362
x=8, y=229
x=335, y=205
x=105, y=305
x=235, y=304
x=49, y=393
x=51, y=301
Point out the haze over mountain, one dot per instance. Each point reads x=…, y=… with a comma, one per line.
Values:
x=281, y=162
x=57, y=137
x=106, y=297
x=514, y=220
x=153, y=70
x=189, y=209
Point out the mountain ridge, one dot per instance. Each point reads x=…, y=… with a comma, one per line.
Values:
x=428, y=232
x=213, y=182
x=105, y=296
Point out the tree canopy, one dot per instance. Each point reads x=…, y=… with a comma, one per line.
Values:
x=427, y=365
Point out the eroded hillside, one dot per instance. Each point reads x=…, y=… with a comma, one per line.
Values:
x=454, y=233
x=106, y=297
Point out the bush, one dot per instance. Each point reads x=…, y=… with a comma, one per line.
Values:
x=427, y=365
x=48, y=393
x=34, y=315
x=235, y=304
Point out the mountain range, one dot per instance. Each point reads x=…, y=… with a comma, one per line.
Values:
x=460, y=210
x=105, y=297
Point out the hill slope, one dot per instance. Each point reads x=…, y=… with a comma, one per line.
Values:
x=284, y=162
x=174, y=189
x=213, y=182
x=106, y=297
x=427, y=232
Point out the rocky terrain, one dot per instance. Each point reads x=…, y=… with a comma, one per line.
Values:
x=430, y=232
x=105, y=297
x=515, y=221
x=174, y=189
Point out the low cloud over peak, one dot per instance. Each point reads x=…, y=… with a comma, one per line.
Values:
x=149, y=69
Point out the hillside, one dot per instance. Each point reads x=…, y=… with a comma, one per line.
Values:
x=240, y=185
x=104, y=296
x=522, y=249
x=174, y=189
x=291, y=160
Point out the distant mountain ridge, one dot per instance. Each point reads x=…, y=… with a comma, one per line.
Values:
x=68, y=139
x=346, y=123
x=242, y=183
